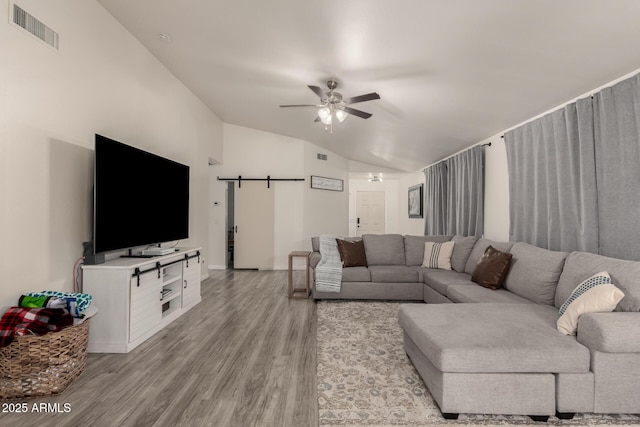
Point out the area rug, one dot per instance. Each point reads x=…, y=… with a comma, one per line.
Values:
x=366, y=379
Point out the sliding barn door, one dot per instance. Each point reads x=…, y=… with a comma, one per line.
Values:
x=254, y=219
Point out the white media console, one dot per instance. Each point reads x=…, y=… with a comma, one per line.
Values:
x=137, y=297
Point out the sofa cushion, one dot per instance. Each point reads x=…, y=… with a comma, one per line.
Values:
x=356, y=274
x=352, y=253
x=534, y=272
x=492, y=268
x=492, y=338
x=478, y=294
x=478, y=250
x=581, y=265
x=610, y=332
x=384, y=249
x=440, y=280
x=438, y=255
x=414, y=247
x=393, y=274
x=461, y=251
x=594, y=295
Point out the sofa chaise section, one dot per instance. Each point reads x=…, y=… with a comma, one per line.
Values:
x=491, y=358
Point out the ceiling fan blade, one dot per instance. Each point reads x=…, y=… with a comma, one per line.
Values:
x=302, y=105
x=317, y=119
x=358, y=113
x=317, y=91
x=362, y=98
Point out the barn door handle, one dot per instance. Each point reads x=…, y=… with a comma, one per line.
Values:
x=358, y=222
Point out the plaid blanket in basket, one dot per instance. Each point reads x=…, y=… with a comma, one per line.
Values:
x=39, y=321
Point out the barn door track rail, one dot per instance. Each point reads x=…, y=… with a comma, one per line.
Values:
x=268, y=179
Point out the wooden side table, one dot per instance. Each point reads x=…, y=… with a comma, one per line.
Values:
x=299, y=292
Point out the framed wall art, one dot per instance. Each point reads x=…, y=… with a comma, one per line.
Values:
x=415, y=201
x=323, y=183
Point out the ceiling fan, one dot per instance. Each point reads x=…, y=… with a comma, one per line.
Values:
x=334, y=107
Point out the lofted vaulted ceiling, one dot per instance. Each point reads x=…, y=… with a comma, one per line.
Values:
x=449, y=72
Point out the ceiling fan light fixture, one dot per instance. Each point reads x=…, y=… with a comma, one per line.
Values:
x=333, y=107
x=325, y=115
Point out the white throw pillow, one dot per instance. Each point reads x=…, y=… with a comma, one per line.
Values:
x=438, y=255
x=595, y=295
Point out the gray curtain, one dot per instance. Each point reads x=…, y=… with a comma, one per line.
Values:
x=465, y=193
x=454, y=195
x=435, y=199
x=552, y=184
x=617, y=134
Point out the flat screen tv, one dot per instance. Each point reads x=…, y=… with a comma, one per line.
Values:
x=139, y=198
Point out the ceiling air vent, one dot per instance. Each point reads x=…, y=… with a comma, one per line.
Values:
x=322, y=156
x=34, y=26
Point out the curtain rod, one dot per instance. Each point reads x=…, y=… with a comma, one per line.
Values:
x=268, y=179
x=486, y=144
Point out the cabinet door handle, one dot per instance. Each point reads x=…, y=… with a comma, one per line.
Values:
x=236, y=227
x=161, y=296
x=185, y=284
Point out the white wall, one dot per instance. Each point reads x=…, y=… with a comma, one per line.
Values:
x=300, y=212
x=325, y=211
x=101, y=80
x=409, y=226
x=496, y=190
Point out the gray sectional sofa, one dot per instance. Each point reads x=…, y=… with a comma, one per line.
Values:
x=499, y=351
x=393, y=271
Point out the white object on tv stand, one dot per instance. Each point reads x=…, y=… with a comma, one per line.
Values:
x=131, y=311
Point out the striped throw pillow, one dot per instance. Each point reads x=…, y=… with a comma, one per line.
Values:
x=438, y=255
x=595, y=295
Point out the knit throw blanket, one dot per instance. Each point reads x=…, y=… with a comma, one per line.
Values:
x=329, y=269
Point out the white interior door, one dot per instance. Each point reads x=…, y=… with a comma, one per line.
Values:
x=253, y=226
x=370, y=209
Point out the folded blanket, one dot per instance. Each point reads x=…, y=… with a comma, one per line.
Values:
x=31, y=321
x=76, y=303
x=329, y=270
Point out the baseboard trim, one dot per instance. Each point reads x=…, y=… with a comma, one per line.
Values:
x=217, y=267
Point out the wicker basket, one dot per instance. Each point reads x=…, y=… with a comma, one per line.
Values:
x=43, y=365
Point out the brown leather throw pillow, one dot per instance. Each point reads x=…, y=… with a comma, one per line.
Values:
x=492, y=268
x=352, y=253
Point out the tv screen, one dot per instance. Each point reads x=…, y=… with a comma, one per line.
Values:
x=139, y=198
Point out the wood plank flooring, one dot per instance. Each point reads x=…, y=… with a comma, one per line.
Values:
x=244, y=356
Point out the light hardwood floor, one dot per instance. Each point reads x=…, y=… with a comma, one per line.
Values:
x=244, y=356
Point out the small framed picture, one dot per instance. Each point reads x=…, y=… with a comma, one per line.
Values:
x=323, y=183
x=415, y=201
